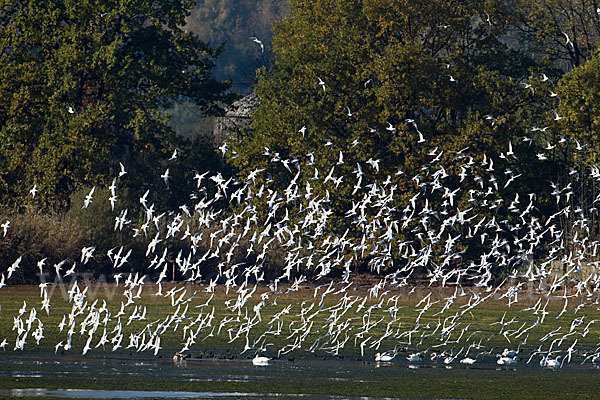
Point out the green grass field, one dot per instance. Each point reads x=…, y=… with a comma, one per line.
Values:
x=479, y=323
x=334, y=325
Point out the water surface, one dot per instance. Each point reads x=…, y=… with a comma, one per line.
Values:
x=39, y=374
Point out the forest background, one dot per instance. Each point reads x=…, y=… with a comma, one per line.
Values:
x=91, y=91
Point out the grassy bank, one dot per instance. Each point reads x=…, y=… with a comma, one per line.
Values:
x=221, y=353
x=352, y=316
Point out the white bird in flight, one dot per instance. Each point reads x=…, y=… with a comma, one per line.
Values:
x=322, y=84
x=88, y=198
x=556, y=116
x=256, y=40
x=165, y=177
x=390, y=128
x=567, y=40
x=4, y=227
x=122, y=171
x=528, y=86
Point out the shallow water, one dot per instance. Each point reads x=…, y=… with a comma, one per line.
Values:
x=118, y=394
x=46, y=375
x=141, y=394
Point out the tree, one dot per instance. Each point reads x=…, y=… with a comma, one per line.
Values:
x=565, y=32
x=234, y=23
x=390, y=82
x=84, y=86
x=579, y=128
x=580, y=106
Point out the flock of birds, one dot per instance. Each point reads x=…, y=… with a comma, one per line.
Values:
x=222, y=226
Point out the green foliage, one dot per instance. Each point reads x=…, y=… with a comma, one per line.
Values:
x=580, y=106
x=384, y=65
x=98, y=220
x=565, y=32
x=83, y=86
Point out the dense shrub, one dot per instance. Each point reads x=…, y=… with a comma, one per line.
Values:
x=35, y=237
